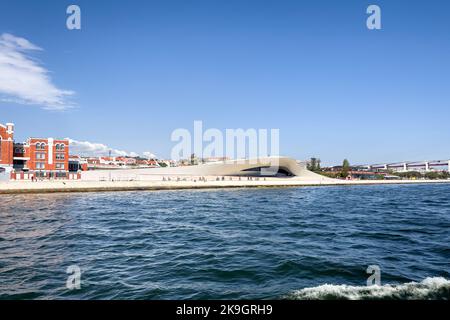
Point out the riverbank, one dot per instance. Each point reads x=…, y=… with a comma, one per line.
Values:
x=12, y=187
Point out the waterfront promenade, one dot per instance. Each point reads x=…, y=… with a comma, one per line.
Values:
x=8, y=187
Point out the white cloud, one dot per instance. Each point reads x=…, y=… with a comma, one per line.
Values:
x=86, y=148
x=24, y=80
x=149, y=155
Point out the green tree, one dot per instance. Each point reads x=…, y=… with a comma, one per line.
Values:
x=414, y=174
x=445, y=175
x=409, y=175
x=313, y=164
x=345, y=168
x=432, y=175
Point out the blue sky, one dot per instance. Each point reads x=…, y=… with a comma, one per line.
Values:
x=137, y=70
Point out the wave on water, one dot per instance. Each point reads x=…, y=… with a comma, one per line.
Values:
x=436, y=288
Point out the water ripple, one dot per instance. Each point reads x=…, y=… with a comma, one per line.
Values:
x=227, y=244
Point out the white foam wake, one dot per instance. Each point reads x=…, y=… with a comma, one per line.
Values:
x=430, y=288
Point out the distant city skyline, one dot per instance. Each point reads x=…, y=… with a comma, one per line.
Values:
x=137, y=71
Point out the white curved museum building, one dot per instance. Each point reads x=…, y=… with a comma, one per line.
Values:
x=280, y=167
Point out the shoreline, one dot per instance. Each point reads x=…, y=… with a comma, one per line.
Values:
x=74, y=186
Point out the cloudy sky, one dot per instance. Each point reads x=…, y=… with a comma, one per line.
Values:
x=138, y=70
x=24, y=80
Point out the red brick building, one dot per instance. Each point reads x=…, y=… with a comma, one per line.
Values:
x=6, y=144
x=47, y=158
x=36, y=158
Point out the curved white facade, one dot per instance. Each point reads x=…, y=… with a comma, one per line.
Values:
x=268, y=166
x=264, y=167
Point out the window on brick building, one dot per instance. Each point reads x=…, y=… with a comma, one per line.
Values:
x=40, y=146
x=40, y=156
x=40, y=165
x=60, y=166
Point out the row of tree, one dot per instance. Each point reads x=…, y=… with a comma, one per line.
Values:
x=432, y=175
x=314, y=166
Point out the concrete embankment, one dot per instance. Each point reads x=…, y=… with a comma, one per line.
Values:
x=12, y=187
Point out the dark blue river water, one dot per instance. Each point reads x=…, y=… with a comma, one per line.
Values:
x=216, y=244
